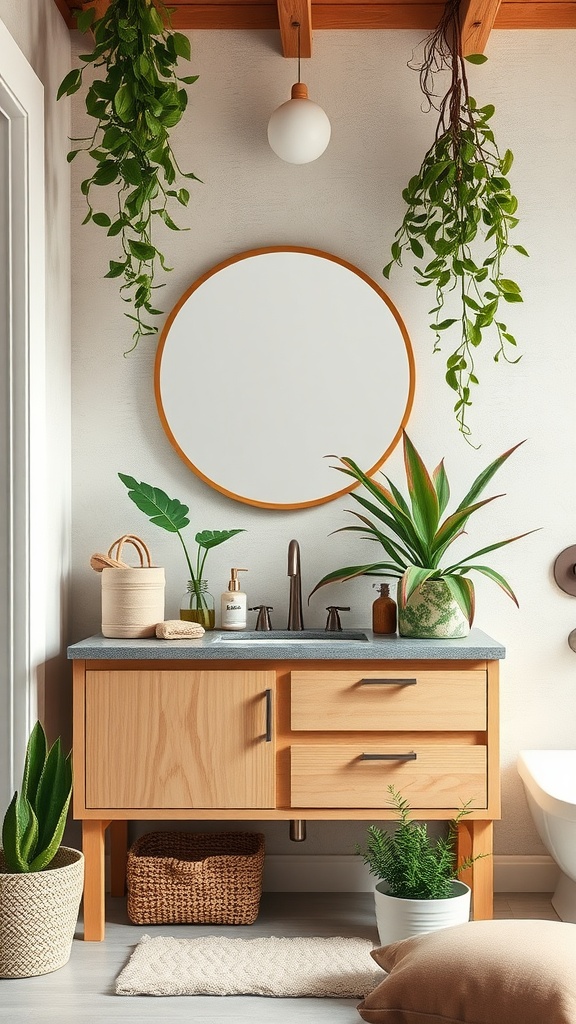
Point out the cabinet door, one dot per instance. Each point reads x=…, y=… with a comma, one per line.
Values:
x=179, y=739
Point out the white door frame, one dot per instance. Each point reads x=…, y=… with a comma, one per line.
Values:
x=22, y=407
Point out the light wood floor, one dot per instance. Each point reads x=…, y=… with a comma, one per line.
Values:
x=82, y=992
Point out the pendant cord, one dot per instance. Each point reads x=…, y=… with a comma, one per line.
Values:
x=296, y=24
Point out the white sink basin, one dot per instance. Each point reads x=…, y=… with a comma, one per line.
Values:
x=287, y=636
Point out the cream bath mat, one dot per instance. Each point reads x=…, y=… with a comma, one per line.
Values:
x=218, y=966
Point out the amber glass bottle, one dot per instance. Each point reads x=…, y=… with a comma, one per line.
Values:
x=384, y=611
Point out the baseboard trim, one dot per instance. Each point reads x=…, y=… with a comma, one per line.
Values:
x=345, y=873
x=535, y=873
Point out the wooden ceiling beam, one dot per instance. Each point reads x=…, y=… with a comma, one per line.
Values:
x=477, y=19
x=359, y=14
x=293, y=13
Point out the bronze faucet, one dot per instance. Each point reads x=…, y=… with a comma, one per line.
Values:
x=295, y=620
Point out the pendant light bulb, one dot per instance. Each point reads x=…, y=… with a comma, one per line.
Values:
x=299, y=130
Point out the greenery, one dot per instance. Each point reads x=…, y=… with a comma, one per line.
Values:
x=34, y=822
x=135, y=105
x=413, y=865
x=171, y=515
x=416, y=537
x=459, y=201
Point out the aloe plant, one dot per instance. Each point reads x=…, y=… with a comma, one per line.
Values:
x=171, y=515
x=413, y=864
x=34, y=822
x=413, y=533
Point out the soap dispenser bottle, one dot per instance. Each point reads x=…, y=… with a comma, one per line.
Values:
x=384, y=611
x=233, y=604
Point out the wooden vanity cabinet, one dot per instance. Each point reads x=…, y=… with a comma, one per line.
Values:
x=271, y=740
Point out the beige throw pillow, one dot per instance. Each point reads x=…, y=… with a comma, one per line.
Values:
x=483, y=972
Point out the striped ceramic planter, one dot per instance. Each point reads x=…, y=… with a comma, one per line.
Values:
x=400, y=918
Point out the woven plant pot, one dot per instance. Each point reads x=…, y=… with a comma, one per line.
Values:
x=195, y=878
x=38, y=914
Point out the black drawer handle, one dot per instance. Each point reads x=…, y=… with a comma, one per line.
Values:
x=388, y=682
x=268, y=694
x=389, y=757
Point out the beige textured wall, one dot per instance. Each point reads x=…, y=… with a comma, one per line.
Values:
x=40, y=32
x=349, y=203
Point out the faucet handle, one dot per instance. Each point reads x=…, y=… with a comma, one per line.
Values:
x=263, y=622
x=333, y=623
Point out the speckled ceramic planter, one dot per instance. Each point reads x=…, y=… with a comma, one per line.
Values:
x=432, y=613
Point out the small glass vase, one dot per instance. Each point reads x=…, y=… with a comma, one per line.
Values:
x=197, y=605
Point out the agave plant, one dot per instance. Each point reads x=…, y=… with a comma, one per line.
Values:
x=34, y=822
x=413, y=533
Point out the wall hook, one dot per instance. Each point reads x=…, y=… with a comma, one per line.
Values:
x=565, y=570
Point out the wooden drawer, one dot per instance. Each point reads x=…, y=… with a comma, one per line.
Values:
x=339, y=776
x=384, y=700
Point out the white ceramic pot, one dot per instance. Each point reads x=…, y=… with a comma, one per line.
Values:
x=400, y=918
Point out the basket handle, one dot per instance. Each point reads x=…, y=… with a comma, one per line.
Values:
x=187, y=867
x=137, y=542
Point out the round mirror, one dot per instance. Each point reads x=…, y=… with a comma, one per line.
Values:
x=273, y=360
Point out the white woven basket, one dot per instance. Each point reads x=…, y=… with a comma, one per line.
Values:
x=133, y=598
x=38, y=914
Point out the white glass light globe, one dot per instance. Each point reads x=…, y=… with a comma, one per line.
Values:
x=299, y=130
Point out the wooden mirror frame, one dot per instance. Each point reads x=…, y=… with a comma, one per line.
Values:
x=190, y=377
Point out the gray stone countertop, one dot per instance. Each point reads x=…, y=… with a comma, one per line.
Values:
x=218, y=645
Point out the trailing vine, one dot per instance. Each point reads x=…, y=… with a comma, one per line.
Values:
x=136, y=103
x=461, y=197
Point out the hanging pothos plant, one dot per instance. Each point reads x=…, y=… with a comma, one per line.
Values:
x=459, y=200
x=135, y=104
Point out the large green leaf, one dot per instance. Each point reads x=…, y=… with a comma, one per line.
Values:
x=351, y=571
x=485, y=476
x=54, y=791
x=168, y=513
x=453, y=525
x=423, y=496
x=392, y=549
x=442, y=486
x=19, y=834
x=413, y=578
x=462, y=591
x=34, y=762
x=403, y=525
x=211, y=538
x=490, y=547
x=495, y=576
x=398, y=529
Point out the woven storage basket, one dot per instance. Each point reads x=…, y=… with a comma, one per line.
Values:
x=133, y=598
x=195, y=878
x=38, y=914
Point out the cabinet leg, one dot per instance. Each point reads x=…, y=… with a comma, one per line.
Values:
x=475, y=838
x=93, y=848
x=118, y=856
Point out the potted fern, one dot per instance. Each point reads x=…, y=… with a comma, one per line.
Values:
x=435, y=600
x=418, y=889
x=40, y=881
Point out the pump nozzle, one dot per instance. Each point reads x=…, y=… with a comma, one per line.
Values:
x=234, y=583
